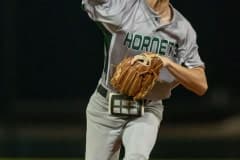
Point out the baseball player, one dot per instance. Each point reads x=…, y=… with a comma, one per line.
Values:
x=131, y=27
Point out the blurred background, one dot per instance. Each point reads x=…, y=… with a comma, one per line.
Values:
x=52, y=57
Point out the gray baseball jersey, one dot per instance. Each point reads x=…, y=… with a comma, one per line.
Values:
x=131, y=27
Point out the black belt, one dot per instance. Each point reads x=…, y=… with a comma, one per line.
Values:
x=102, y=90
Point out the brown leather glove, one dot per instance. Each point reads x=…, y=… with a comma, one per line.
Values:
x=135, y=76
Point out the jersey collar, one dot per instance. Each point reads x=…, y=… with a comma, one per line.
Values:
x=157, y=17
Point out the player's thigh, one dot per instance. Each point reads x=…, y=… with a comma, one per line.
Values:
x=139, y=137
x=101, y=142
x=102, y=133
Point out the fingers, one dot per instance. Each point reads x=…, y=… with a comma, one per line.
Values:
x=141, y=59
x=165, y=60
x=137, y=58
x=146, y=60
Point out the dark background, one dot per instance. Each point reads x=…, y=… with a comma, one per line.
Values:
x=52, y=58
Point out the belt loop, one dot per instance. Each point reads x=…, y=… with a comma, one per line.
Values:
x=103, y=91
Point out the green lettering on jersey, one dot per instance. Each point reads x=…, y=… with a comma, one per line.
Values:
x=163, y=47
x=128, y=40
x=154, y=44
x=146, y=43
x=171, y=47
x=137, y=42
x=149, y=43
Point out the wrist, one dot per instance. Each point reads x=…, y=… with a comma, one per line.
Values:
x=166, y=61
x=169, y=63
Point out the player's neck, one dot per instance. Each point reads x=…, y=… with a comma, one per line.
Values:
x=162, y=7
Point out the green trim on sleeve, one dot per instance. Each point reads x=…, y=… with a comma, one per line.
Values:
x=107, y=35
x=82, y=7
x=107, y=41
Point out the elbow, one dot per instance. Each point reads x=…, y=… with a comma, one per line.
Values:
x=203, y=89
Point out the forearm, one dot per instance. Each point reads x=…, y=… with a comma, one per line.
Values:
x=193, y=79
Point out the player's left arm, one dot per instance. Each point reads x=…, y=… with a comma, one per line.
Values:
x=193, y=79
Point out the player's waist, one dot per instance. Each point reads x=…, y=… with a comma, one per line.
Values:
x=156, y=107
x=104, y=92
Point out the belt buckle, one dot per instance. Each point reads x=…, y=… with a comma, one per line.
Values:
x=122, y=105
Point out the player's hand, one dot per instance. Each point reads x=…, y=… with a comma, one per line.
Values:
x=141, y=59
x=145, y=60
x=165, y=60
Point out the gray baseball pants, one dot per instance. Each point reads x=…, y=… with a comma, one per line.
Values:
x=105, y=132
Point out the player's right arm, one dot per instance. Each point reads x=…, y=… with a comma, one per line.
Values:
x=110, y=12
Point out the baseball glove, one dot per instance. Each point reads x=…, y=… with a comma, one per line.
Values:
x=135, y=76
